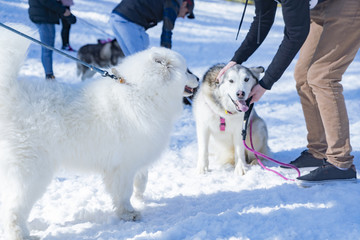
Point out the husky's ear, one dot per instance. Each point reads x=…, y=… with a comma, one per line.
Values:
x=105, y=52
x=219, y=80
x=257, y=70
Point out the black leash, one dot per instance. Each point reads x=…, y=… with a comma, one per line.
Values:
x=242, y=19
x=92, y=68
x=246, y=117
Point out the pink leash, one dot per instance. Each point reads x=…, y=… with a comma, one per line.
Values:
x=246, y=119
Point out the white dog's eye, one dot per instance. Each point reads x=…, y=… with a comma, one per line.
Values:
x=246, y=79
x=231, y=81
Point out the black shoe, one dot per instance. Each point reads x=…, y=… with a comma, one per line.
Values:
x=50, y=77
x=67, y=47
x=306, y=159
x=327, y=173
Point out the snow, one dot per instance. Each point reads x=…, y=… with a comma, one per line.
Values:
x=179, y=203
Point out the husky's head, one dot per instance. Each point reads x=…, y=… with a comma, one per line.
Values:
x=235, y=86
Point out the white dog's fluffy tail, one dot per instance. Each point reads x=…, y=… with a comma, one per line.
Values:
x=12, y=54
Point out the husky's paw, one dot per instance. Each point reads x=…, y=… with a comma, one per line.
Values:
x=240, y=170
x=129, y=215
x=202, y=166
x=254, y=162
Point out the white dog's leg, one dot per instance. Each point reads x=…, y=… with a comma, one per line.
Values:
x=203, y=137
x=25, y=184
x=119, y=183
x=140, y=182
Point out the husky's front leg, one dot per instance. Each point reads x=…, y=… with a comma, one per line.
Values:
x=119, y=183
x=241, y=167
x=203, y=137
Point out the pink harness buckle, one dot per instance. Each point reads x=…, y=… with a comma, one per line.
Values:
x=222, y=124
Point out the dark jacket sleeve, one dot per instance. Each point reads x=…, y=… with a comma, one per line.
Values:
x=296, y=16
x=45, y=11
x=265, y=14
x=171, y=10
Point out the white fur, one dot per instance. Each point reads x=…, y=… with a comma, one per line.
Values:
x=100, y=126
x=211, y=103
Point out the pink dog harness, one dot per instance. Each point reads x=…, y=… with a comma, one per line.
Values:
x=222, y=121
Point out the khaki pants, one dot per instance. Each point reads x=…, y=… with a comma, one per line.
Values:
x=331, y=46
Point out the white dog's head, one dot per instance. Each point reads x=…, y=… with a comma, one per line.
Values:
x=235, y=86
x=192, y=82
x=155, y=67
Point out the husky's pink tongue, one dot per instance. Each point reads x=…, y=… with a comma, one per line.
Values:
x=241, y=105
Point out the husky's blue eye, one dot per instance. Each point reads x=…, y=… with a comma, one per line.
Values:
x=246, y=79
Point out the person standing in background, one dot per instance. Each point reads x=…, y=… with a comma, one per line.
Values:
x=45, y=14
x=131, y=18
x=65, y=30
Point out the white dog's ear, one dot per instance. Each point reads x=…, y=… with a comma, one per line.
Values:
x=161, y=59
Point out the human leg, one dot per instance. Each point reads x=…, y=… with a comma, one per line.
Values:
x=65, y=32
x=47, y=36
x=316, y=135
x=131, y=37
x=336, y=49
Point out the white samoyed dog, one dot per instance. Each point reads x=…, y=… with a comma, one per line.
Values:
x=113, y=128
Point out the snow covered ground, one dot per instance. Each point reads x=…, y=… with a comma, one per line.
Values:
x=179, y=203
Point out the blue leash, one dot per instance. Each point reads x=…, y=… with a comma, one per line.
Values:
x=92, y=68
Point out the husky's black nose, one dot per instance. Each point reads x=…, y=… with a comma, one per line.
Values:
x=240, y=94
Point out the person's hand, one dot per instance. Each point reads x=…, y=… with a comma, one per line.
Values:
x=224, y=69
x=67, y=13
x=256, y=93
x=69, y=17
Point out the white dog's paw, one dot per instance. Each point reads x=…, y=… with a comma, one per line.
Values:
x=139, y=196
x=13, y=229
x=129, y=215
x=202, y=169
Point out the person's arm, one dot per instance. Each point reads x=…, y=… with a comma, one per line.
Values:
x=264, y=15
x=297, y=23
x=296, y=16
x=171, y=10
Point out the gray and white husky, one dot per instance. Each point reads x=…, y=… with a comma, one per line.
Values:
x=103, y=54
x=219, y=108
